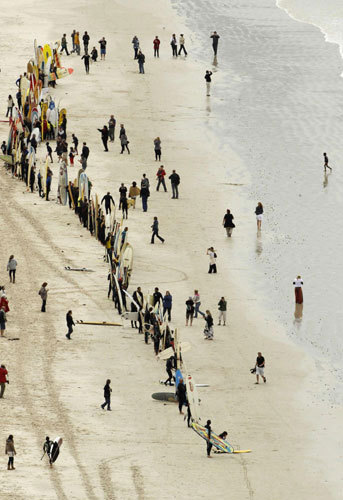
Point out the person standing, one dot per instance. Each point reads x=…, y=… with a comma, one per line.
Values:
x=215, y=39
x=124, y=143
x=75, y=141
x=49, y=152
x=72, y=36
x=64, y=44
x=208, y=330
x=259, y=215
x=154, y=228
x=10, y=106
x=181, y=394
x=208, y=82
x=213, y=256
x=134, y=191
x=298, y=283
x=111, y=127
x=157, y=148
x=86, y=59
x=86, y=39
x=43, y=292
x=157, y=297
x=260, y=364
x=48, y=183
x=3, y=320
x=189, y=311
x=104, y=136
x=122, y=194
x=173, y=43
x=107, y=395
x=222, y=311
x=156, y=43
x=107, y=198
x=11, y=268
x=135, y=43
x=326, y=159
x=70, y=324
x=144, y=194
x=10, y=452
x=94, y=54
x=167, y=304
x=160, y=176
x=85, y=151
x=169, y=367
x=103, y=44
x=182, y=45
x=77, y=42
x=148, y=321
x=3, y=380
x=175, y=181
x=209, y=433
x=228, y=223
x=197, y=303
x=141, y=61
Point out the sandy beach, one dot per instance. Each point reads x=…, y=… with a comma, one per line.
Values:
x=143, y=449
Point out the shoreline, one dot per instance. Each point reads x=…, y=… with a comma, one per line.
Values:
x=222, y=371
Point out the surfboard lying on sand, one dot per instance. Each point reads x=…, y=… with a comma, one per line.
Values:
x=196, y=385
x=83, y=269
x=220, y=444
x=97, y=323
x=164, y=396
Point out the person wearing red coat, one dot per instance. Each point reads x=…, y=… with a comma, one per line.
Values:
x=4, y=303
x=160, y=176
x=157, y=47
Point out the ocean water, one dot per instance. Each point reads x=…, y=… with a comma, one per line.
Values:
x=277, y=101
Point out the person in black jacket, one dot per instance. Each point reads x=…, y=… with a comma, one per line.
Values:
x=86, y=58
x=107, y=198
x=107, y=396
x=228, y=223
x=209, y=432
x=175, y=181
x=70, y=324
x=208, y=82
x=148, y=321
x=157, y=296
x=104, y=136
x=154, y=228
x=181, y=395
x=141, y=61
x=85, y=151
x=86, y=39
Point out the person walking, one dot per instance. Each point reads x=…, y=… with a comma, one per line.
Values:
x=169, y=367
x=64, y=44
x=326, y=159
x=173, y=43
x=3, y=380
x=157, y=296
x=182, y=45
x=208, y=330
x=11, y=268
x=3, y=320
x=156, y=44
x=160, y=177
x=215, y=39
x=107, y=395
x=181, y=394
x=213, y=256
x=103, y=44
x=154, y=228
x=70, y=324
x=122, y=194
x=47, y=446
x=208, y=82
x=72, y=36
x=43, y=292
x=75, y=141
x=104, y=136
x=10, y=452
x=175, y=181
x=107, y=198
x=259, y=215
x=111, y=127
x=259, y=366
x=197, y=303
x=86, y=59
x=86, y=39
x=141, y=61
x=124, y=208
x=48, y=183
x=85, y=151
x=94, y=54
x=144, y=194
x=135, y=43
x=228, y=223
x=189, y=311
x=167, y=304
x=298, y=283
x=10, y=106
x=124, y=143
x=209, y=433
x=157, y=148
x=222, y=311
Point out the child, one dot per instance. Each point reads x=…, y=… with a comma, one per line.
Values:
x=71, y=157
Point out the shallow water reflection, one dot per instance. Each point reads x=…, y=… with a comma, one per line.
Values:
x=298, y=313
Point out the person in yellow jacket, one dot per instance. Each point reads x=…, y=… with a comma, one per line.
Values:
x=77, y=42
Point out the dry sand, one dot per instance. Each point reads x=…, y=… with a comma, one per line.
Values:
x=143, y=449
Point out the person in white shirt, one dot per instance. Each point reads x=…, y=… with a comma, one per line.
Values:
x=197, y=302
x=182, y=44
x=213, y=256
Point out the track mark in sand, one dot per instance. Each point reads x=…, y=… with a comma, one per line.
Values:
x=246, y=479
x=138, y=481
x=105, y=480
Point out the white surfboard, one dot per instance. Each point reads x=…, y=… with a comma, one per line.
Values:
x=193, y=399
x=167, y=353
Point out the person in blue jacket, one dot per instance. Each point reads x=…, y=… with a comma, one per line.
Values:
x=167, y=304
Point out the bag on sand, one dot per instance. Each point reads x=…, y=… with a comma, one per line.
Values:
x=253, y=370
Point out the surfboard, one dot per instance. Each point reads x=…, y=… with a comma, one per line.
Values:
x=7, y=158
x=196, y=385
x=220, y=444
x=193, y=399
x=97, y=323
x=63, y=183
x=118, y=292
x=47, y=52
x=55, y=449
x=83, y=269
x=167, y=353
x=164, y=396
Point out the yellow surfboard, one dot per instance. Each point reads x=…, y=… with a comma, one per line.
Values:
x=47, y=52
